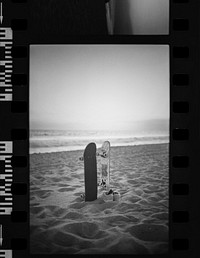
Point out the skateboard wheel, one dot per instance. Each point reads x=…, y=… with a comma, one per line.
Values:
x=116, y=196
x=83, y=196
x=109, y=192
x=102, y=183
x=107, y=197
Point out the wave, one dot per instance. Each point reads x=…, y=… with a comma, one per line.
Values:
x=48, y=142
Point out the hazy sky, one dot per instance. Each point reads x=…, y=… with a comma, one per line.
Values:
x=141, y=16
x=97, y=86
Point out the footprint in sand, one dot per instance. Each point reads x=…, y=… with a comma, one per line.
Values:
x=132, y=181
x=66, y=189
x=134, y=199
x=65, y=239
x=87, y=230
x=116, y=220
x=55, y=179
x=73, y=215
x=67, y=178
x=55, y=210
x=36, y=210
x=153, y=199
x=33, y=188
x=139, y=191
x=63, y=185
x=35, y=204
x=161, y=215
x=149, y=232
x=33, y=198
x=127, y=245
x=43, y=193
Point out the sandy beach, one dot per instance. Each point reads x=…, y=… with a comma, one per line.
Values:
x=61, y=222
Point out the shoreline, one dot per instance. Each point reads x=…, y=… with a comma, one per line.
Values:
x=112, y=147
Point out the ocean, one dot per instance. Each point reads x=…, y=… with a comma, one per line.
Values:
x=44, y=141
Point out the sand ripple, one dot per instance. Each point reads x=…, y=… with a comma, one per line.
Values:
x=148, y=232
x=61, y=223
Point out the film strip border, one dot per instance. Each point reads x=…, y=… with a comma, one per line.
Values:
x=183, y=66
x=6, y=64
x=14, y=133
x=13, y=130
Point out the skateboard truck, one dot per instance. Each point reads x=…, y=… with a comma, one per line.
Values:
x=98, y=154
x=102, y=183
x=102, y=154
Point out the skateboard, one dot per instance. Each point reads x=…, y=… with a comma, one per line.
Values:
x=90, y=172
x=104, y=154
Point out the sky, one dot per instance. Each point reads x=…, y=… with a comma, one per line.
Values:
x=90, y=87
x=141, y=17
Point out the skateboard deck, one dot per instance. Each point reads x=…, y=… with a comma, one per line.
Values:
x=90, y=172
x=105, y=165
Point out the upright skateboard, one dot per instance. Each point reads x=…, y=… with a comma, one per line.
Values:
x=90, y=172
x=105, y=165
